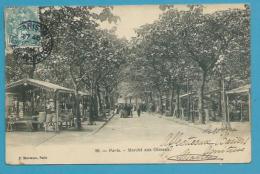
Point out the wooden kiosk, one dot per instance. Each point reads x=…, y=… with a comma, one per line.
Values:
x=240, y=91
x=29, y=100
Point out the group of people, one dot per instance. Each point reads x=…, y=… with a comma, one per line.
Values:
x=126, y=110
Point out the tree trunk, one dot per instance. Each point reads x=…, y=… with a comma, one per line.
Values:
x=110, y=104
x=32, y=101
x=76, y=98
x=190, y=117
x=161, y=104
x=107, y=102
x=225, y=123
x=95, y=106
x=189, y=102
x=77, y=110
x=178, y=102
x=192, y=113
x=100, y=104
x=220, y=101
x=151, y=97
x=171, y=102
x=167, y=101
x=32, y=70
x=201, y=99
x=91, y=110
x=111, y=101
x=91, y=105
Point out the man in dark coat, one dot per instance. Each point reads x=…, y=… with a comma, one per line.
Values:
x=138, y=111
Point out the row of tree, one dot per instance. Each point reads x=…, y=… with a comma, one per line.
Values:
x=181, y=52
x=84, y=57
x=191, y=46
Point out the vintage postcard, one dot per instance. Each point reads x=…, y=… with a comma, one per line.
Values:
x=128, y=84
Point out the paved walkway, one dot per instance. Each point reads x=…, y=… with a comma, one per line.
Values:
x=118, y=135
x=20, y=138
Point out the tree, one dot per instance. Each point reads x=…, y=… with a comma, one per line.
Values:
x=103, y=71
x=233, y=62
x=191, y=40
x=75, y=31
x=207, y=37
x=162, y=55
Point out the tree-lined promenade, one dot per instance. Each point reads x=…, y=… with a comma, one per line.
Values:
x=183, y=52
x=188, y=52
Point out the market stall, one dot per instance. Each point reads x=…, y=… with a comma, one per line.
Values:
x=34, y=103
x=239, y=103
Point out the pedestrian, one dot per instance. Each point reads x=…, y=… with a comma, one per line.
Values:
x=138, y=111
x=131, y=110
x=121, y=112
x=127, y=110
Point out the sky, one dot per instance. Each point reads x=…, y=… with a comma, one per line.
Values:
x=132, y=17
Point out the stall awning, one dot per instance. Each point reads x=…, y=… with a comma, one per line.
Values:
x=241, y=89
x=27, y=83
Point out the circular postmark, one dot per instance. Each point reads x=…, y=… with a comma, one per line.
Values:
x=32, y=42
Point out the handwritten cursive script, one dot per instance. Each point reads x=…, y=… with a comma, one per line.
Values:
x=187, y=156
x=203, y=148
x=178, y=140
